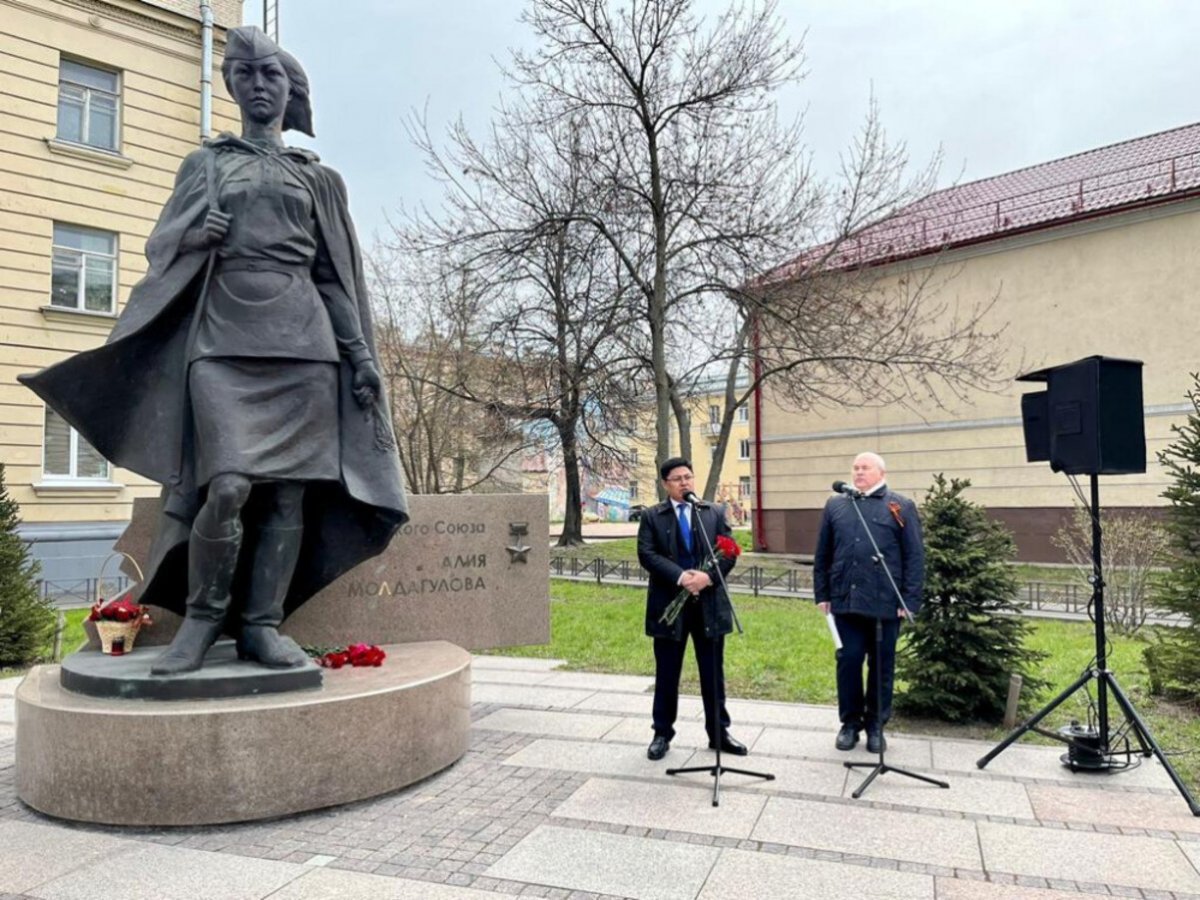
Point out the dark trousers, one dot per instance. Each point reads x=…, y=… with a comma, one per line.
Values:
x=856, y=705
x=668, y=664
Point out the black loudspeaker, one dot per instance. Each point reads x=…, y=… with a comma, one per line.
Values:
x=1089, y=420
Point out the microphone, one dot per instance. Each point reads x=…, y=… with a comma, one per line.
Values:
x=690, y=497
x=840, y=487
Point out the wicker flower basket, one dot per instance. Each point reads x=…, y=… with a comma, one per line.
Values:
x=106, y=629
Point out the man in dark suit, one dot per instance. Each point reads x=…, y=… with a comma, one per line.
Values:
x=672, y=551
x=850, y=582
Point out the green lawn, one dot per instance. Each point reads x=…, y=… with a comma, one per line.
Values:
x=786, y=655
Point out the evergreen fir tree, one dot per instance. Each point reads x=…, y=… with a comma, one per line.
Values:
x=26, y=620
x=968, y=638
x=1174, y=659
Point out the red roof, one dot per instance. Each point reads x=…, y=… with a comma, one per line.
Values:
x=1141, y=172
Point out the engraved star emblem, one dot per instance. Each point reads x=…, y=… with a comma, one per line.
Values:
x=518, y=554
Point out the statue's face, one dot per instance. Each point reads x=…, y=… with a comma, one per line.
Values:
x=260, y=88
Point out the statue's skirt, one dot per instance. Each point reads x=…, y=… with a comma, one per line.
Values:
x=269, y=419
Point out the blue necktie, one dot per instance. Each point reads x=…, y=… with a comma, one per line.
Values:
x=685, y=532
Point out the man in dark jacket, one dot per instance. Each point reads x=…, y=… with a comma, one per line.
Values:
x=850, y=582
x=672, y=551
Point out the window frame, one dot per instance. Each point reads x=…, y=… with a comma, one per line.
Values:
x=82, y=269
x=73, y=477
x=743, y=413
x=88, y=90
x=745, y=487
x=714, y=414
x=744, y=448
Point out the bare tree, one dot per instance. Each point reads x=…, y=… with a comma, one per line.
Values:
x=557, y=305
x=1134, y=542
x=700, y=179
x=432, y=350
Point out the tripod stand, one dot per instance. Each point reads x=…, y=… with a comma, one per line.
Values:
x=1105, y=681
x=717, y=769
x=881, y=767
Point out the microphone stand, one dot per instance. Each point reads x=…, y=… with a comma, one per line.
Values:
x=881, y=767
x=717, y=769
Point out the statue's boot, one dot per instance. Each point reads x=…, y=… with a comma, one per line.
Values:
x=274, y=562
x=211, y=564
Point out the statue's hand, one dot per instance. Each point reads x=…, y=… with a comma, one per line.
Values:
x=367, y=384
x=211, y=233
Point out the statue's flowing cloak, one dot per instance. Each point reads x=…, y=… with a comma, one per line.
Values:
x=128, y=398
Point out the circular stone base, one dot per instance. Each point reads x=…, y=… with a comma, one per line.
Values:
x=223, y=675
x=364, y=732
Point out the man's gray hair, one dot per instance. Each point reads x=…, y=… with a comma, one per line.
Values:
x=875, y=458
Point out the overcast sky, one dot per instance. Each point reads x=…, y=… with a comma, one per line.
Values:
x=997, y=85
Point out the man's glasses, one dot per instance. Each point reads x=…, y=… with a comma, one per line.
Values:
x=680, y=479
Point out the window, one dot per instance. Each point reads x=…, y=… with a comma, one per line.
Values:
x=743, y=413
x=89, y=103
x=84, y=270
x=633, y=456
x=633, y=493
x=714, y=415
x=744, y=489
x=67, y=455
x=744, y=448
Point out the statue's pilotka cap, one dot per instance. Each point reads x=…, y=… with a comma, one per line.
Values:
x=249, y=42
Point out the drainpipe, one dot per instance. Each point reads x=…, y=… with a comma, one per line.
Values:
x=206, y=65
x=759, y=536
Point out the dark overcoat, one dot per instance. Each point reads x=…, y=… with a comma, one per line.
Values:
x=658, y=550
x=845, y=573
x=128, y=398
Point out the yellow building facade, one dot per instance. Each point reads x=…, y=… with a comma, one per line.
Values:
x=706, y=407
x=1120, y=282
x=99, y=104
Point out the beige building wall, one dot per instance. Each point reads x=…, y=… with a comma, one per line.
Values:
x=1121, y=286
x=155, y=49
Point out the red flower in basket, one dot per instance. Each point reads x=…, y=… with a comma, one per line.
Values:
x=122, y=609
x=726, y=548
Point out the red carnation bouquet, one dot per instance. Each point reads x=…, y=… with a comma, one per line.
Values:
x=353, y=655
x=726, y=548
x=122, y=609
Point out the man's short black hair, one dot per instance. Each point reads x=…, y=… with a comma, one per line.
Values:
x=674, y=463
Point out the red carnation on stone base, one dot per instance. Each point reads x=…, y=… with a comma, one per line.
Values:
x=357, y=655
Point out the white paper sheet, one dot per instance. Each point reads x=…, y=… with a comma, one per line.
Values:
x=837, y=638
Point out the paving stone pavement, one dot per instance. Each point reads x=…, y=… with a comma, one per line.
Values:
x=555, y=798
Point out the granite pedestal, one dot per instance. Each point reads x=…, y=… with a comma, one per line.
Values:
x=362, y=733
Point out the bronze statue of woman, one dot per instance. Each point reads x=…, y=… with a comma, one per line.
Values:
x=242, y=375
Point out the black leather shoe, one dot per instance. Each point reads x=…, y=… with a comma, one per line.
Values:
x=658, y=747
x=847, y=737
x=730, y=744
x=876, y=742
